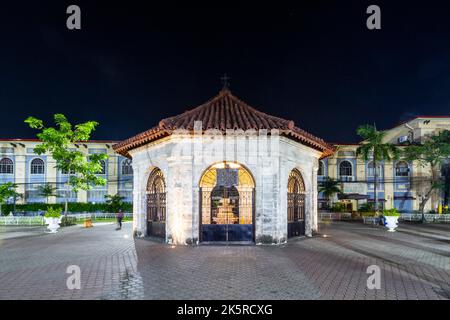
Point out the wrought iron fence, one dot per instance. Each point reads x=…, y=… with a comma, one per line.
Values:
x=429, y=217
x=37, y=220
x=335, y=215
x=21, y=221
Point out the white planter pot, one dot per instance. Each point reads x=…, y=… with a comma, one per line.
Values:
x=391, y=223
x=53, y=224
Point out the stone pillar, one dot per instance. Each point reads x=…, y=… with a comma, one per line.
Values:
x=314, y=204
x=267, y=212
x=50, y=172
x=282, y=207
x=389, y=184
x=332, y=168
x=139, y=196
x=82, y=196
x=309, y=201
x=20, y=171
x=113, y=166
x=279, y=219
x=179, y=201
x=361, y=176
x=360, y=169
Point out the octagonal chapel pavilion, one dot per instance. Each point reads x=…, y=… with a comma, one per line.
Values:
x=224, y=172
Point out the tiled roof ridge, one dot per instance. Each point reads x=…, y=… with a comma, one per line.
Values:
x=168, y=123
x=222, y=112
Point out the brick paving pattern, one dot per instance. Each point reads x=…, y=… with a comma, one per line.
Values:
x=414, y=263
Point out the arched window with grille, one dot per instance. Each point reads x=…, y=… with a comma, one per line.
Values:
x=156, y=204
x=127, y=168
x=6, y=166
x=37, y=166
x=296, y=204
x=401, y=169
x=345, y=169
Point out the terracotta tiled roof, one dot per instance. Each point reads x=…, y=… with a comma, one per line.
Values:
x=225, y=111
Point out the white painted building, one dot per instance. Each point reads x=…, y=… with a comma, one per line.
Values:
x=224, y=172
x=20, y=165
x=401, y=184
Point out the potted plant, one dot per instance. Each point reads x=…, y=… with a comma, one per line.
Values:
x=391, y=217
x=52, y=217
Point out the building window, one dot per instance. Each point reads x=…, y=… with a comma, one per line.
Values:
x=37, y=166
x=321, y=170
x=103, y=164
x=401, y=169
x=6, y=166
x=371, y=170
x=345, y=169
x=127, y=169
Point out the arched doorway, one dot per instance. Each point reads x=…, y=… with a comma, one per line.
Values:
x=227, y=204
x=156, y=204
x=296, y=204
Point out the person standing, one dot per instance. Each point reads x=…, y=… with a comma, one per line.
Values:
x=119, y=219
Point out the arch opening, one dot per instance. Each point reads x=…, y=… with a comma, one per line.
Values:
x=227, y=204
x=156, y=204
x=296, y=193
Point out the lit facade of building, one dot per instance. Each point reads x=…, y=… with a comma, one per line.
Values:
x=401, y=184
x=20, y=165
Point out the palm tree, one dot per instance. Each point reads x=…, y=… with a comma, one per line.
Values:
x=373, y=148
x=115, y=202
x=7, y=191
x=47, y=191
x=329, y=187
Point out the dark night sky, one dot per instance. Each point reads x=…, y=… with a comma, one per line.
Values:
x=132, y=65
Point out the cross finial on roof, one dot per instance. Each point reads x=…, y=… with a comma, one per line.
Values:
x=225, y=81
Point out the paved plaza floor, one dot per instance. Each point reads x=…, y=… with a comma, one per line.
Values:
x=414, y=263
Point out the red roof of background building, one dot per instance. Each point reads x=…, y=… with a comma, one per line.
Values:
x=37, y=140
x=225, y=111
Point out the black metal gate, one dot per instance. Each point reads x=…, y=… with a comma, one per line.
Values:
x=226, y=223
x=156, y=205
x=296, y=205
x=227, y=201
x=296, y=215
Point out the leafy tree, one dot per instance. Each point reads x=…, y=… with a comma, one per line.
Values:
x=432, y=153
x=7, y=190
x=373, y=148
x=47, y=191
x=58, y=141
x=329, y=187
x=114, y=202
